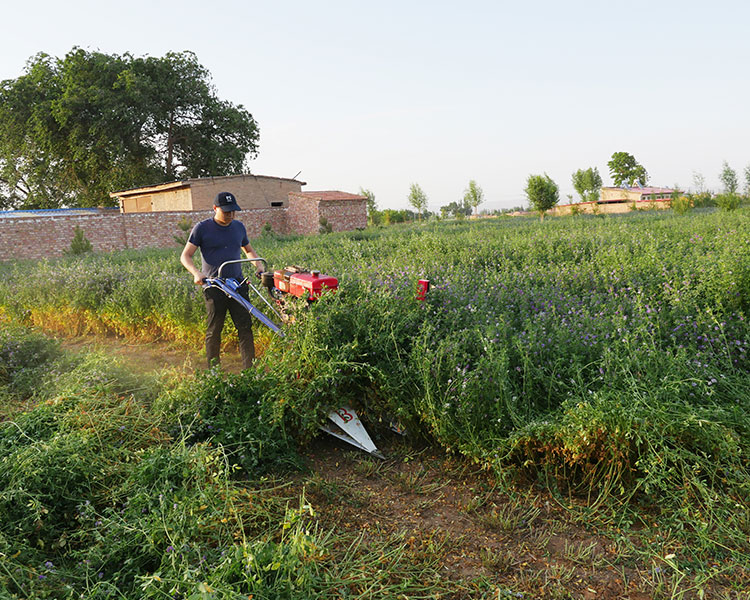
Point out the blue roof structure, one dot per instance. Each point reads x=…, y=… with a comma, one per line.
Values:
x=56, y=212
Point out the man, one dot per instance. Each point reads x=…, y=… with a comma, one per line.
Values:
x=221, y=239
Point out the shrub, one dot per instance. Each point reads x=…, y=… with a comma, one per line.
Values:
x=681, y=204
x=728, y=201
x=80, y=244
x=185, y=226
x=325, y=226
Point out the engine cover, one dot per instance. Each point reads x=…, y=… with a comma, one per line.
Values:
x=303, y=284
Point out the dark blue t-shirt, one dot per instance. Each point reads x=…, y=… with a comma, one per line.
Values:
x=218, y=244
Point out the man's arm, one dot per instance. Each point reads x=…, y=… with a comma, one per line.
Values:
x=186, y=258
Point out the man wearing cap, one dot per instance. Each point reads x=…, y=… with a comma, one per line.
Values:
x=221, y=239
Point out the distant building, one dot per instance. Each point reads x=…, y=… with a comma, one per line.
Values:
x=635, y=194
x=252, y=191
x=614, y=200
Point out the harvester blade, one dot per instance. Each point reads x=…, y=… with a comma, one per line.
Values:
x=347, y=427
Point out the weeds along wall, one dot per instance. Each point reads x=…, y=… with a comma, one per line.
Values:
x=49, y=236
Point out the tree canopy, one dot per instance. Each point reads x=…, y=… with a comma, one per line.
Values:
x=417, y=198
x=72, y=130
x=728, y=178
x=542, y=193
x=624, y=169
x=373, y=218
x=473, y=195
x=587, y=183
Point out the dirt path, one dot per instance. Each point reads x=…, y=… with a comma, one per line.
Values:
x=149, y=357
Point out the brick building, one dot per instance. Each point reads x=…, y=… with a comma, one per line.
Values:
x=614, y=200
x=252, y=191
x=150, y=217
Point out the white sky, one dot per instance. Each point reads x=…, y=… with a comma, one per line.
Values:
x=385, y=93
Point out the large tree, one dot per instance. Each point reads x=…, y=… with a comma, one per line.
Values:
x=624, y=169
x=542, y=193
x=74, y=129
x=587, y=183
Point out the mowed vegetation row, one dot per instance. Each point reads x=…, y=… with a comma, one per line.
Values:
x=607, y=358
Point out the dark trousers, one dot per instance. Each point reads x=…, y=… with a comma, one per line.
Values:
x=217, y=304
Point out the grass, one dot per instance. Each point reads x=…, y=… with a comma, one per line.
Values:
x=604, y=360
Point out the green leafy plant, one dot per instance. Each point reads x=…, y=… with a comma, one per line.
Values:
x=728, y=201
x=185, y=225
x=680, y=204
x=80, y=244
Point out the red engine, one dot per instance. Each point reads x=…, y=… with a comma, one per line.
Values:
x=301, y=283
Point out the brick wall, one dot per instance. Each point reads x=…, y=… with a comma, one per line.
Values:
x=48, y=236
x=304, y=216
x=305, y=213
x=610, y=208
x=344, y=215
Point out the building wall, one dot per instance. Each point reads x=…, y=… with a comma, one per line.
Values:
x=35, y=238
x=304, y=215
x=344, y=215
x=172, y=200
x=619, y=195
x=610, y=208
x=251, y=191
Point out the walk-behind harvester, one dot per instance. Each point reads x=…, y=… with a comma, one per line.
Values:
x=310, y=285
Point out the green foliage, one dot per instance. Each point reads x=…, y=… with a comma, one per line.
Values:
x=417, y=198
x=702, y=200
x=624, y=169
x=185, y=225
x=373, y=215
x=80, y=244
x=325, y=226
x=76, y=128
x=680, y=203
x=238, y=412
x=455, y=210
x=391, y=216
x=728, y=201
x=587, y=183
x=473, y=195
x=728, y=178
x=97, y=501
x=24, y=358
x=542, y=193
x=605, y=357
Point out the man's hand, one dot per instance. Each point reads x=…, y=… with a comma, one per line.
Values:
x=198, y=279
